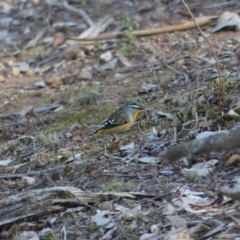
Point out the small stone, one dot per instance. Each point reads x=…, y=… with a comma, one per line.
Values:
x=84, y=74
x=107, y=56
x=24, y=67
x=2, y=79
x=26, y=30
x=69, y=135
x=202, y=99
x=53, y=81
x=15, y=71
x=47, y=40
x=40, y=84
x=59, y=109
x=110, y=65
x=176, y=83
x=28, y=180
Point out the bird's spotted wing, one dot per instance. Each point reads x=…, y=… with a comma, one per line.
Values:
x=115, y=120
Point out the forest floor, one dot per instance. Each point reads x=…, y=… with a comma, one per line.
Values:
x=55, y=91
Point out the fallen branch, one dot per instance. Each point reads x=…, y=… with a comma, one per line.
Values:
x=202, y=21
x=220, y=141
x=97, y=28
x=41, y=202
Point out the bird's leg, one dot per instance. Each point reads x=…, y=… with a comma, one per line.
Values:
x=114, y=137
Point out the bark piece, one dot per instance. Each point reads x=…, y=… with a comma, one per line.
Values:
x=40, y=202
x=221, y=141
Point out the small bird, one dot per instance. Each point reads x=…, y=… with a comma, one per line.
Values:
x=121, y=120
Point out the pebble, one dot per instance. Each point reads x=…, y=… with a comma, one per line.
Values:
x=24, y=67
x=107, y=56
x=53, y=81
x=15, y=71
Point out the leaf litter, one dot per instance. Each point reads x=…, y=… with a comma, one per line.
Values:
x=56, y=89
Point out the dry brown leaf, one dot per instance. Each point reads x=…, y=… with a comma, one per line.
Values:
x=53, y=81
x=234, y=159
x=204, y=124
x=58, y=39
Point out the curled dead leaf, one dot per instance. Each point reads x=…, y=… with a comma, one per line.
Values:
x=58, y=39
x=234, y=159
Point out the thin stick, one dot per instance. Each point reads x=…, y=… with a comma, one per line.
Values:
x=147, y=32
x=210, y=44
x=80, y=12
x=155, y=75
x=13, y=176
x=72, y=9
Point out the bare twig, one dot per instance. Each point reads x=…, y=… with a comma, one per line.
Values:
x=80, y=12
x=3, y=104
x=155, y=75
x=33, y=42
x=14, y=176
x=109, y=233
x=147, y=32
x=68, y=7
x=178, y=72
x=140, y=66
x=221, y=5
x=210, y=44
x=64, y=233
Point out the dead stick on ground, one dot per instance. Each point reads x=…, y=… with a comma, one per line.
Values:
x=220, y=141
x=202, y=21
x=20, y=175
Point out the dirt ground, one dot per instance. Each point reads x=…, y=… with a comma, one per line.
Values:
x=60, y=182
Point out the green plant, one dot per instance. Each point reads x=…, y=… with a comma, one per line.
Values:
x=132, y=25
x=116, y=186
x=96, y=43
x=71, y=219
x=48, y=138
x=92, y=228
x=126, y=50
